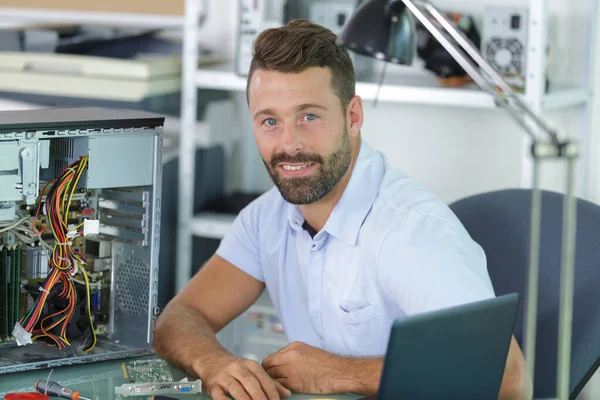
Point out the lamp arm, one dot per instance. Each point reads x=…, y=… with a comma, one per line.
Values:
x=427, y=14
x=551, y=147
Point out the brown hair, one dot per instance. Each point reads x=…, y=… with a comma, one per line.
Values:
x=299, y=45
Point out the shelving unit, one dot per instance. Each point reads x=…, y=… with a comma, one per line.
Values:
x=405, y=89
x=413, y=89
x=7, y=15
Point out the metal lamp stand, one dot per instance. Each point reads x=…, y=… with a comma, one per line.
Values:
x=543, y=148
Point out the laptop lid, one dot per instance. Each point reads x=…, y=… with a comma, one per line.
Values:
x=455, y=353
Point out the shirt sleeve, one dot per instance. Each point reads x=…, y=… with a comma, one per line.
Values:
x=240, y=246
x=425, y=263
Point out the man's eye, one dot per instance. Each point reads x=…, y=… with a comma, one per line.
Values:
x=270, y=121
x=310, y=117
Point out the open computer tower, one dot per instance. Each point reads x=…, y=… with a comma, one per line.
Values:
x=79, y=235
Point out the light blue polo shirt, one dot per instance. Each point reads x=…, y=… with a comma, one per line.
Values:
x=390, y=248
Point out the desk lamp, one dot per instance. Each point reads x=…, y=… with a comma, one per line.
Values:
x=386, y=30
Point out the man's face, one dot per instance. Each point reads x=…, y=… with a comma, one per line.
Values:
x=301, y=132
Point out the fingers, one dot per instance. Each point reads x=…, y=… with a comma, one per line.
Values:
x=250, y=382
x=273, y=360
x=280, y=376
x=243, y=379
x=284, y=383
x=217, y=393
x=268, y=385
x=283, y=391
x=282, y=355
x=267, y=362
x=276, y=372
x=236, y=390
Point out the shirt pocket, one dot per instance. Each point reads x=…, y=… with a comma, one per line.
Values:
x=356, y=311
x=362, y=333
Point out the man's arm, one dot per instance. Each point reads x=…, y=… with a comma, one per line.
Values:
x=362, y=376
x=185, y=332
x=306, y=369
x=515, y=384
x=214, y=297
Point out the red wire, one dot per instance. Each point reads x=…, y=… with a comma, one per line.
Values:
x=62, y=254
x=37, y=212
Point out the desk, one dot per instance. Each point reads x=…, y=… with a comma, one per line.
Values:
x=97, y=381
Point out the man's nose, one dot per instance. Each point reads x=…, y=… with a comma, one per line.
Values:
x=291, y=142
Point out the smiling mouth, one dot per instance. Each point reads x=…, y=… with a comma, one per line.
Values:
x=296, y=170
x=299, y=167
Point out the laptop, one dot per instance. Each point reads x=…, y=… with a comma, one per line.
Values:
x=455, y=353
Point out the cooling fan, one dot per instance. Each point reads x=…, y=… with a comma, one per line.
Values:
x=504, y=43
x=505, y=55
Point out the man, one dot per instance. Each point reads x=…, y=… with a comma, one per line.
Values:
x=343, y=243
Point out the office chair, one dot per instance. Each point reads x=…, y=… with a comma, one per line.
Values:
x=499, y=222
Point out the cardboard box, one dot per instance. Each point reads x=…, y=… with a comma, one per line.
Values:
x=171, y=7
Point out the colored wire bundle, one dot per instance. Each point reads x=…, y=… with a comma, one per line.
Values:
x=64, y=264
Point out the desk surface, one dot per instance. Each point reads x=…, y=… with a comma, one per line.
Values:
x=98, y=381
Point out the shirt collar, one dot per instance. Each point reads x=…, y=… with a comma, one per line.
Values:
x=348, y=215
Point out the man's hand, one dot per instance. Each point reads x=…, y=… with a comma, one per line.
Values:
x=306, y=369
x=303, y=368
x=241, y=378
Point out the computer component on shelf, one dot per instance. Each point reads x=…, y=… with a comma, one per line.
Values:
x=504, y=43
x=436, y=58
x=79, y=224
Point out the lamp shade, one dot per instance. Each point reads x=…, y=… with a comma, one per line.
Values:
x=382, y=29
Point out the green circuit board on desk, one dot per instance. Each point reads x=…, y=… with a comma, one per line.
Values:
x=147, y=371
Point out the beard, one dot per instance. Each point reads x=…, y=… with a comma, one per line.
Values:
x=310, y=189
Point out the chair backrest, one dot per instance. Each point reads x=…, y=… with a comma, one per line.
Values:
x=499, y=222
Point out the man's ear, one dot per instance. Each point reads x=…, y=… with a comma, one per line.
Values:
x=354, y=116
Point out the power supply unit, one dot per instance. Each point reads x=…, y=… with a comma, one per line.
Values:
x=79, y=235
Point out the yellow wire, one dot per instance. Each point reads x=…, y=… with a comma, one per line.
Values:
x=61, y=255
x=52, y=282
x=68, y=177
x=89, y=308
x=64, y=336
x=63, y=250
x=81, y=168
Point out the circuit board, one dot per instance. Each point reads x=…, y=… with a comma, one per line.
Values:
x=149, y=371
x=159, y=388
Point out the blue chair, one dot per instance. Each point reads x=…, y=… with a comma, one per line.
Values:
x=499, y=222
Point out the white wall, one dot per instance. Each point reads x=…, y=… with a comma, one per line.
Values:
x=453, y=152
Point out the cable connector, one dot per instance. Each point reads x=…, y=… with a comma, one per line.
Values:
x=21, y=335
x=72, y=231
x=67, y=352
x=91, y=227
